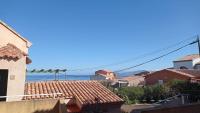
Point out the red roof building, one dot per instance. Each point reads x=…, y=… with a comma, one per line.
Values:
x=188, y=62
x=84, y=94
x=104, y=75
x=166, y=75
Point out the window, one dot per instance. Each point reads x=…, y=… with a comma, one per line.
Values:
x=183, y=67
x=160, y=82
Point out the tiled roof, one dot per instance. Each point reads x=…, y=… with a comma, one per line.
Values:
x=86, y=92
x=190, y=72
x=11, y=51
x=188, y=57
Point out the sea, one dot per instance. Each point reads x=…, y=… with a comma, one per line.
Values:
x=46, y=77
x=58, y=77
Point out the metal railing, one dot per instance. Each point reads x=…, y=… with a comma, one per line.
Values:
x=168, y=99
x=13, y=96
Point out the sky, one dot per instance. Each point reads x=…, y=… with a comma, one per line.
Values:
x=82, y=34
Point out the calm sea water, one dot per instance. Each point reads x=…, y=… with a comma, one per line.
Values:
x=52, y=77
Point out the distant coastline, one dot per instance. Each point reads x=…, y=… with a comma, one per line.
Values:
x=52, y=77
x=44, y=77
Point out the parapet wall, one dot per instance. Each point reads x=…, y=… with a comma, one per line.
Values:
x=195, y=108
x=33, y=106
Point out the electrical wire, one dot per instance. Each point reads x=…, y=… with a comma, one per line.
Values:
x=135, y=58
x=159, y=57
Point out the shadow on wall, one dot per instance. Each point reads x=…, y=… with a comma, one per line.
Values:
x=53, y=110
x=44, y=111
x=31, y=106
x=9, y=59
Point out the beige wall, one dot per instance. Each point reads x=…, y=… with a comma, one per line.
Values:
x=6, y=36
x=34, y=106
x=16, y=77
x=16, y=69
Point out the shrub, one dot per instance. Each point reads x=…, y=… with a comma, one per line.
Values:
x=131, y=94
x=159, y=92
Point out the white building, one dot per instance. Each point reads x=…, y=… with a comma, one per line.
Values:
x=188, y=62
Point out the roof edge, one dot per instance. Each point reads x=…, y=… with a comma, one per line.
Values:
x=28, y=43
x=179, y=72
x=181, y=60
x=172, y=70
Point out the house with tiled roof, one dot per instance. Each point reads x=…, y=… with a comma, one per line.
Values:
x=103, y=75
x=78, y=96
x=13, y=60
x=72, y=96
x=188, y=62
x=167, y=75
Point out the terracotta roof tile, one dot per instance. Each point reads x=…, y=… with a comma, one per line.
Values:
x=84, y=91
x=191, y=72
x=188, y=57
x=11, y=51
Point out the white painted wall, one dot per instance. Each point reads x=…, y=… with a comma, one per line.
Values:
x=197, y=67
x=195, y=61
x=187, y=64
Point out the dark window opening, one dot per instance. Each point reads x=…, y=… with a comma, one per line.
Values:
x=3, y=83
x=183, y=67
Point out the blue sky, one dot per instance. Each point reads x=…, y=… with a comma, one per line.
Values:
x=77, y=34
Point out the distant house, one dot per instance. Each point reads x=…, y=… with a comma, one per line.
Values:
x=13, y=60
x=78, y=96
x=188, y=62
x=103, y=75
x=166, y=75
x=142, y=73
x=134, y=80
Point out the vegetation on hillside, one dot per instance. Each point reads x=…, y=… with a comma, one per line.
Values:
x=154, y=93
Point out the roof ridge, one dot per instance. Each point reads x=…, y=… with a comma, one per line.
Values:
x=85, y=91
x=180, y=72
x=188, y=57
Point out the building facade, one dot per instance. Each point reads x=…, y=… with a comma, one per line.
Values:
x=167, y=75
x=188, y=62
x=13, y=60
